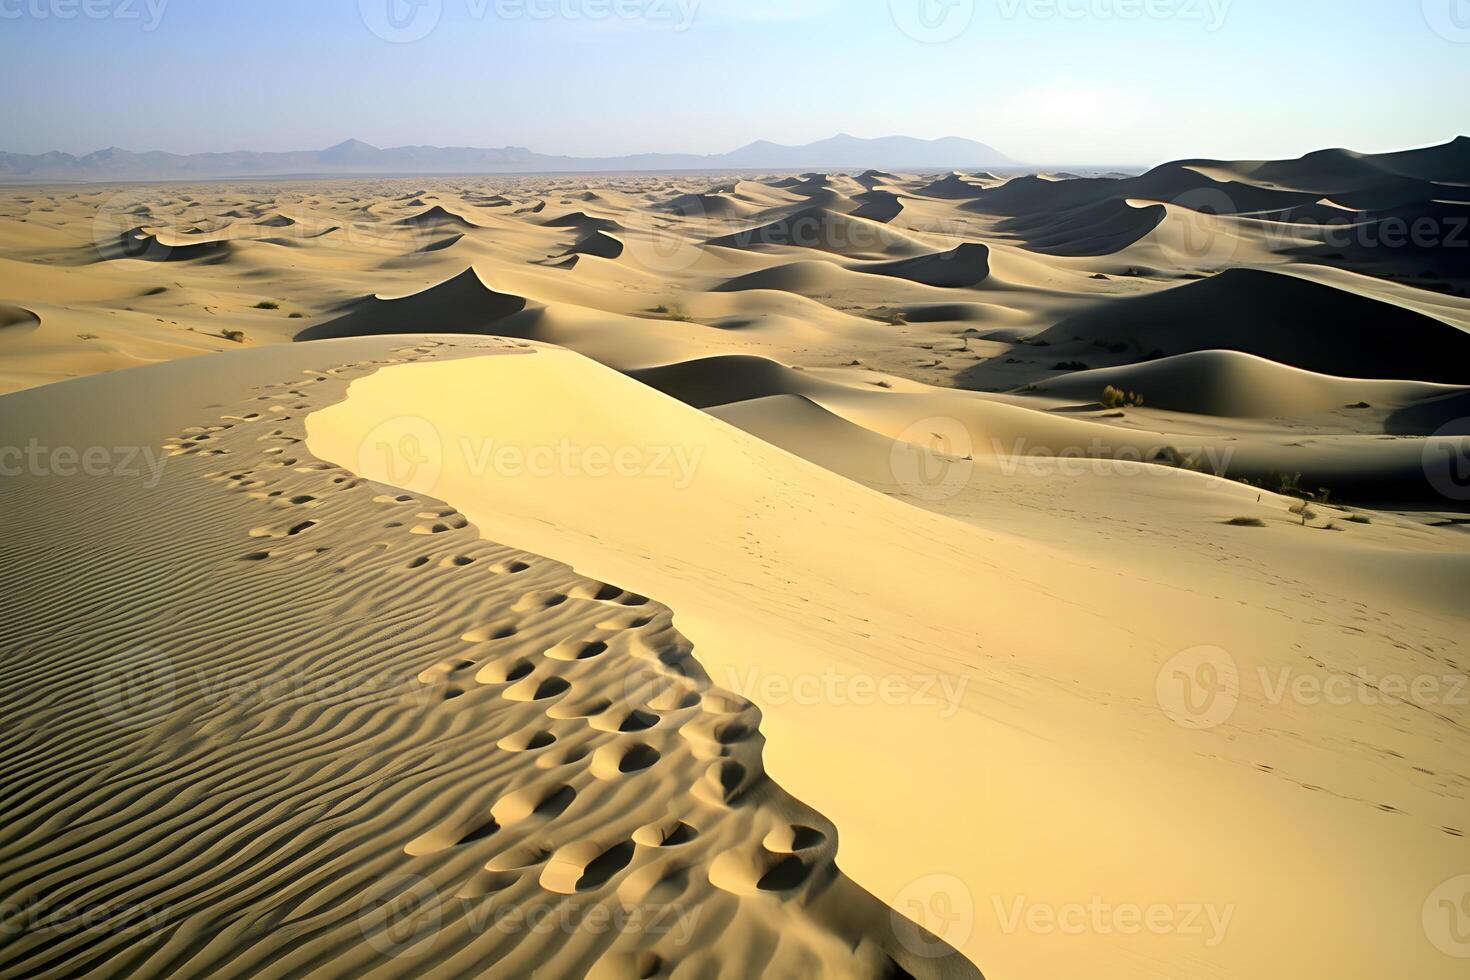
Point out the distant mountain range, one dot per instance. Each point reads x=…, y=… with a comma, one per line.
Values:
x=357, y=157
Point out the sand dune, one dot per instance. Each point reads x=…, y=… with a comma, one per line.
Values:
x=867, y=414
x=1231, y=384
x=711, y=381
x=853, y=608
x=963, y=265
x=582, y=221
x=877, y=205
x=824, y=230
x=466, y=304
x=524, y=735
x=710, y=205
x=599, y=244
x=17, y=318
x=1283, y=318
x=140, y=243
x=1091, y=229
x=951, y=187
x=438, y=217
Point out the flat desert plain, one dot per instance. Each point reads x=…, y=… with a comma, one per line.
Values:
x=858, y=574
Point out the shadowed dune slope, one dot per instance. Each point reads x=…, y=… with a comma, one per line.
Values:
x=709, y=381
x=17, y=317
x=828, y=231
x=438, y=217
x=963, y=265
x=464, y=304
x=1091, y=229
x=1230, y=383
x=1282, y=318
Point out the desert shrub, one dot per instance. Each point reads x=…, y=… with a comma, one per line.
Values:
x=1118, y=398
x=673, y=311
x=267, y=304
x=1246, y=522
x=1304, y=512
x=237, y=336
x=1360, y=519
x=1069, y=366
x=1289, y=483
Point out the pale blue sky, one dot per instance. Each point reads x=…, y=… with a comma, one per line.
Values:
x=1047, y=81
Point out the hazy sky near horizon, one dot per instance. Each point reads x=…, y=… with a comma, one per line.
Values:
x=1046, y=81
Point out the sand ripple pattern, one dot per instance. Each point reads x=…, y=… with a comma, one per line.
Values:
x=299, y=724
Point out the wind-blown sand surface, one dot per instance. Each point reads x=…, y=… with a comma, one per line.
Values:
x=1105, y=690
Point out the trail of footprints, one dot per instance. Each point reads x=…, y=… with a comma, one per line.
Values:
x=618, y=772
